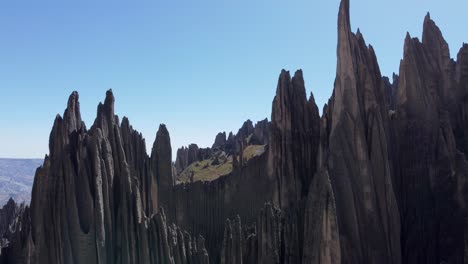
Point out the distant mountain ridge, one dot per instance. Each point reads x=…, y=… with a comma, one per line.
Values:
x=16, y=179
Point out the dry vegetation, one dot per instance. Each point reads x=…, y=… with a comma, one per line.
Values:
x=219, y=165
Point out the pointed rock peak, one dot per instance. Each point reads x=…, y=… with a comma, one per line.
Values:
x=58, y=118
x=247, y=125
x=125, y=122
x=109, y=97
x=56, y=135
x=343, y=17
x=72, y=115
x=220, y=140
x=314, y=107
x=311, y=98
x=408, y=36
x=162, y=131
x=462, y=52
x=428, y=17
x=298, y=83
x=284, y=76
x=10, y=202
x=346, y=42
x=298, y=74
x=434, y=41
x=408, y=41
x=430, y=29
x=359, y=35
x=162, y=143
x=289, y=92
x=284, y=82
x=109, y=103
x=105, y=112
x=73, y=102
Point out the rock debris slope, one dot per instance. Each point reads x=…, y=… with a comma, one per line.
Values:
x=380, y=177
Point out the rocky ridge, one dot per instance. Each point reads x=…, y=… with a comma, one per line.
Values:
x=99, y=189
x=247, y=135
x=380, y=177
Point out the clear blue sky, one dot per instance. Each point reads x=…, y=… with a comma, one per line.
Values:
x=198, y=66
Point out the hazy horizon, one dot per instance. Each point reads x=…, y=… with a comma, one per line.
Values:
x=200, y=68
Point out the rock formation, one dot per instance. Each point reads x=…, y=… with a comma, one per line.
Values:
x=430, y=169
x=267, y=240
x=246, y=130
x=260, y=134
x=248, y=134
x=185, y=157
x=380, y=177
x=321, y=234
x=220, y=140
x=96, y=198
x=356, y=153
x=188, y=155
x=8, y=220
x=294, y=138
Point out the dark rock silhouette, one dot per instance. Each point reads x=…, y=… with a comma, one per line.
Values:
x=96, y=198
x=220, y=140
x=260, y=134
x=430, y=169
x=186, y=156
x=381, y=177
x=9, y=221
x=357, y=156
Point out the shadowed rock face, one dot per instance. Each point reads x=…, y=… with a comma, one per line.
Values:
x=294, y=135
x=269, y=238
x=8, y=221
x=381, y=177
x=461, y=93
x=248, y=134
x=246, y=130
x=294, y=139
x=220, y=140
x=430, y=170
x=261, y=133
x=188, y=155
x=356, y=156
x=185, y=157
x=95, y=199
x=321, y=236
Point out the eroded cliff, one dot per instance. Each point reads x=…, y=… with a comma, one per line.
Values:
x=380, y=177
